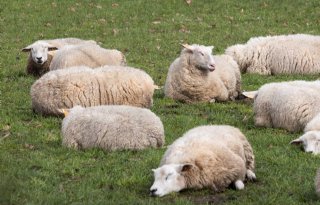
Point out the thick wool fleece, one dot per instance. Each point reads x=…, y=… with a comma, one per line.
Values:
x=288, y=105
x=109, y=85
x=112, y=127
x=89, y=55
x=219, y=155
x=271, y=55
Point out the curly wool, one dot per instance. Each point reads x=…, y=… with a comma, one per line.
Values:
x=220, y=155
x=112, y=127
x=87, y=87
x=89, y=55
x=289, y=105
x=271, y=55
x=187, y=83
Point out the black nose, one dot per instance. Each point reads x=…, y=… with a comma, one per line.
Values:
x=38, y=58
x=153, y=192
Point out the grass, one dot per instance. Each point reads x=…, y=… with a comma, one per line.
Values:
x=36, y=169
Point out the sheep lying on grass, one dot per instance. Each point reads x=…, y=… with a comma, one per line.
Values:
x=198, y=76
x=40, y=56
x=91, y=87
x=206, y=156
x=311, y=138
x=112, y=127
x=271, y=55
x=89, y=55
x=288, y=105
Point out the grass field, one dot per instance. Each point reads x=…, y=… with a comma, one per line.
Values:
x=36, y=169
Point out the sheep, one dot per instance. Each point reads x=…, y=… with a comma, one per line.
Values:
x=89, y=55
x=272, y=55
x=197, y=76
x=214, y=156
x=311, y=137
x=288, y=105
x=112, y=127
x=41, y=53
x=84, y=86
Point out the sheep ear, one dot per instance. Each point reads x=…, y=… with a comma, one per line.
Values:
x=52, y=48
x=296, y=141
x=211, y=47
x=186, y=46
x=153, y=170
x=184, y=167
x=26, y=49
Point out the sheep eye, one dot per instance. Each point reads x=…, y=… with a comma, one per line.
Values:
x=202, y=53
x=167, y=177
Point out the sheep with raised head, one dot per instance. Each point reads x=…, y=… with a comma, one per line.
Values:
x=112, y=127
x=89, y=55
x=198, y=76
x=84, y=86
x=271, y=55
x=40, y=56
x=213, y=156
x=288, y=105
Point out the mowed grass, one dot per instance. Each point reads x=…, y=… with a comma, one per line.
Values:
x=36, y=169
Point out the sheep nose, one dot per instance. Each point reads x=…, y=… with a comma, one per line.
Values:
x=38, y=58
x=153, y=192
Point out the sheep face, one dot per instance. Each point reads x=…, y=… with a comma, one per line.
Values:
x=310, y=142
x=39, y=51
x=168, y=179
x=201, y=57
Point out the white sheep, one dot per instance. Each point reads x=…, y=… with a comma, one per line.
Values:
x=198, y=76
x=288, y=105
x=271, y=55
x=112, y=127
x=311, y=138
x=40, y=56
x=84, y=86
x=205, y=157
x=89, y=55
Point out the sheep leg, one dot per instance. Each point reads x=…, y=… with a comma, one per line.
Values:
x=239, y=184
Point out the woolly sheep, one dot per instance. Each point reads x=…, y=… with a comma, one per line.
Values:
x=206, y=156
x=40, y=56
x=288, y=105
x=112, y=127
x=311, y=138
x=89, y=55
x=198, y=76
x=84, y=86
x=271, y=55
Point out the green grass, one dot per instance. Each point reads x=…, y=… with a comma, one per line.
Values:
x=36, y=169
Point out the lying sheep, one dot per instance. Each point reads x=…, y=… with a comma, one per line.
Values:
x=198, y=76
x=89, y=55
x=271, y=55
x=112, y=127
x=91, y=87
x=288, y=105
x=206, y=156
x=40, y=56
x=311, y=138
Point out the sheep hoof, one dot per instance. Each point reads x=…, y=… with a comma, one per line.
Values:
x=251, y=175
x=239, y=185
x=212, y=100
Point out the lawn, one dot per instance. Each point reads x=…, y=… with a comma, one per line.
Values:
x=36, y=169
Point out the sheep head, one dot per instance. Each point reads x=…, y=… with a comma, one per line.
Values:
x=39, y=51
x=310, y=141
x=169, y=178
x=200, y=56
